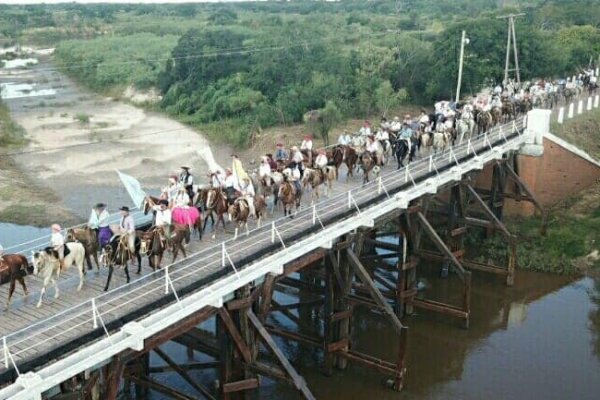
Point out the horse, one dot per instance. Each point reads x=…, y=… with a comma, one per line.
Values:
x=508, y=110
x=317, y=177
x=117, y=252
x=198, y=198
x=366, y=163
x=401, y=150
x=336, y=158
x=309, y=158
x=239, y=212
x=152, y=246
x=484, y=121
x=13, y=268
x=289, y=196
x=46, y=262
x=463, y=129
x=350, y=159
x=216, y=203
x=496, y=116
x=440, y=141
x=88, y=237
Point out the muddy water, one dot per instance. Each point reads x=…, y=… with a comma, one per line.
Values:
x=537, y=340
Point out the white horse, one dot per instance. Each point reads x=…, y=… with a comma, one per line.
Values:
x=46, y=263
x=440, y=141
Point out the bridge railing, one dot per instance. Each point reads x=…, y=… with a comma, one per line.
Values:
x=204, y=269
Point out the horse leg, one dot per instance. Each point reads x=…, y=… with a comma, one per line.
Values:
x=11, y=290
x=247, y=230
x=46, y=281
x=127, y=272
x=81, y=269
x=56, y=291
x=110, y=272
x=88, y=260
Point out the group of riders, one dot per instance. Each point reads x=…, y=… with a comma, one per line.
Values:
x=180, y=202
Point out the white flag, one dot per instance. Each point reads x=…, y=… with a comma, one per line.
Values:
x=133, y=188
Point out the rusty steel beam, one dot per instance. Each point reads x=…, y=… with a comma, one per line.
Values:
x=184, y=374
x=299, y=382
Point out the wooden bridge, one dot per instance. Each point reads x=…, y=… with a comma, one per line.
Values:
x=97, y=336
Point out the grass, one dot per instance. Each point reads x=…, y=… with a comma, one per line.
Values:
x=11, y=133
x=583, y=131
x=83, y=118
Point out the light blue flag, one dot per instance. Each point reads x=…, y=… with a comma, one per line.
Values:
x=133, y=188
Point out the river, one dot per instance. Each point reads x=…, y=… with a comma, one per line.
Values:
x=539, y=339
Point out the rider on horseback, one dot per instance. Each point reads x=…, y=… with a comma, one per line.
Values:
x=163, y=220
x=281, y=154
x=231, y=186
x=98, y=221
x=57, y=241
x=126, y=230
x=383, y=137
x=187, y=180
x=247, y=193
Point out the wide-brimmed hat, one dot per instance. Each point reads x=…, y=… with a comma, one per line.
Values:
x=184, y=167
x=163, y=202
x=307, y=137
x=294, y=147
x=56, y=228
x=228, y=171
x=100, y=205
x=396, y=118
x=173, y=177
x=279, y=144
x=124, y=208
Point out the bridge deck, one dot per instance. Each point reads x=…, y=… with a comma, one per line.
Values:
x=36, y=336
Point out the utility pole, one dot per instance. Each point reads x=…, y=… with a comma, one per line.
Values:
x=512, y=37
x=463, y=41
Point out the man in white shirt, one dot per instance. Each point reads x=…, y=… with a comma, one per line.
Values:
x=366, y=129
x=383, y=137
x=231, y=185
x=396, y=125
x=57, y=241
x=247, y=193
x=215, y=179
x=344, y=139
x=127, y=229
x=264, y=171
x=321, y=160
x=298, y=159
x=98, y=221
x=162, y=219
x=307, y=143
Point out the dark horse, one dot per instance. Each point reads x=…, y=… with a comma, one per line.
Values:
x=116, y=252
x=13, y=268
x=401, y=150
x=154, y=246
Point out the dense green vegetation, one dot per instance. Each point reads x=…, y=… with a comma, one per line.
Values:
x=11, y=134
x=234, y=69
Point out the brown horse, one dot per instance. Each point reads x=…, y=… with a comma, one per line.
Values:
x=216, y=203
x=350, y=158
x=152, y=246
x=496, y=116
x=289, y=197
x=13, y=268
x=180, y=234
x=89, y=239
x=309, y=158
x=239, y=213
x=317, y=177
x=484, y=121
x=367, y=162
x=335, y=157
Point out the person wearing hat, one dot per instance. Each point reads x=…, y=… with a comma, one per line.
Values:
x=383, y=137
x=366, y=129
x=57, y=241
x=231, y=186
x=306, y=146
x=98, y=221
x=247, y=193
x=321, y=160
x=281, y=154
x=170, y=191
x=162, y=219
x=264, y=170
x=187, y=180
x=127, y=229
x=297, y=159
x=237, y=168
x=215, y=179
x=395, y=126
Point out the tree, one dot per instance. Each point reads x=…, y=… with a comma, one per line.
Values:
x=323, y=120
x=386, y=98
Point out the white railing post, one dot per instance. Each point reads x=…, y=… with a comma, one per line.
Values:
x=561, y=115
x=95, y=318
x=223, y=254
x=597, y=101
x=273, y=232
x=580, y=107
x=406, y=173
x=431, y=160
x=5, y=351
x=379, y=185
x=571, y=110
x=167, y=279
x=349, y=199
x=589, y=104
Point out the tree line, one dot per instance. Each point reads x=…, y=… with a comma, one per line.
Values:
x=235, y=69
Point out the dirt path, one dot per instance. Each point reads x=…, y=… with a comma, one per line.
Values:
x=61, y=127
